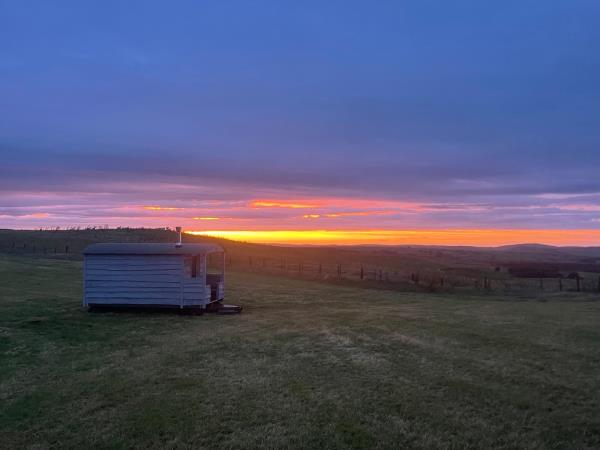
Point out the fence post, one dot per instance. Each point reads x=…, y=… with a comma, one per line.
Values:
x=578, y=283
x=598, y=284
x=362, y=272
x=66, y=249
x=339, y=269
x=542, y=284
x=249, y=260
x=320, y=268
x=560, y=285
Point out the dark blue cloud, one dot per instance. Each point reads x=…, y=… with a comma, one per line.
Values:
x=435, y=101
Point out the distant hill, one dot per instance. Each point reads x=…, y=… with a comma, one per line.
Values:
x=532, y=246
x=528, y=259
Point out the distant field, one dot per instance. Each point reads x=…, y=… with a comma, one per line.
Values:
x=305, y=365
x=513, y=270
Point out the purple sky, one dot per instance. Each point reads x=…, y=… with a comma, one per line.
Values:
x=391, y=115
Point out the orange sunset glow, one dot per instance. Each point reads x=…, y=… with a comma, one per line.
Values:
x=410, y=237
x=345, y=214
x=281, y=204
x=340, y=220
x=160, y=208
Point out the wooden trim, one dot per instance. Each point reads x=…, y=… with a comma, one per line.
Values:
x=181, y=285
x=84, y=281
x=194, y=266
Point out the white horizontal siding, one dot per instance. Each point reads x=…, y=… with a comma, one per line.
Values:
x=128, y=284
x=193, y=302
x=174, y=302
x=134, y=301
x=135, y=294
x=143, y=280
x=149, y=271
x=135, y=280
x=173, y=297
x=135, y=277
x=129, y=267
x=199, y=281
x=133, y=259
x=202, y=297
x=193, y=286
x=137, y=291
x=194, y=289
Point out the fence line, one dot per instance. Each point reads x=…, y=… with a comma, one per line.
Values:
x=394, y=278
x=410, y=280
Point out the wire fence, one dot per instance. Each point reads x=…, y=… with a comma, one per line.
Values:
x=403, y=279
x=422, y=279
x=60, y=250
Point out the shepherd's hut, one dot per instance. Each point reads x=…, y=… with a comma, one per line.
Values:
x=153, y=275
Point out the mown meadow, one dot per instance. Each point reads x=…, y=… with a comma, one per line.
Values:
x=306, y=364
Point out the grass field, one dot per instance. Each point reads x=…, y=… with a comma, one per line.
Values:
x=305, y=365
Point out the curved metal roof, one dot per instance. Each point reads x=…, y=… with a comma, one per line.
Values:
x=150, y=249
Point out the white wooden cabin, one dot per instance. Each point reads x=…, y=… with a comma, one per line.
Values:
x=152, y=275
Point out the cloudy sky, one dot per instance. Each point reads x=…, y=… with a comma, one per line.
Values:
x=275, y=115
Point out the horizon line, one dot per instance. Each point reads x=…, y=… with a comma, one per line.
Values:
x=456, y=237
x=447, y=237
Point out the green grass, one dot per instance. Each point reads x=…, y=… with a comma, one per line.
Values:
x=305, y=365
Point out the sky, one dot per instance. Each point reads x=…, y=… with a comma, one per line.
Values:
x=340, y=121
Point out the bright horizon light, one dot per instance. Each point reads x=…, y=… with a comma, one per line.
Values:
x=483, y=237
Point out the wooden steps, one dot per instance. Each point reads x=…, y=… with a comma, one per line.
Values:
x=220, y=308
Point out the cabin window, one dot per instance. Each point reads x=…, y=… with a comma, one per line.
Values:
x=194, y=267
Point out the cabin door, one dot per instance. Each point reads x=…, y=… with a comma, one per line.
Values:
x=215, y=276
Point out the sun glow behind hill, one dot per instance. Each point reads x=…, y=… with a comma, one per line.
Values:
x=485, y=237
